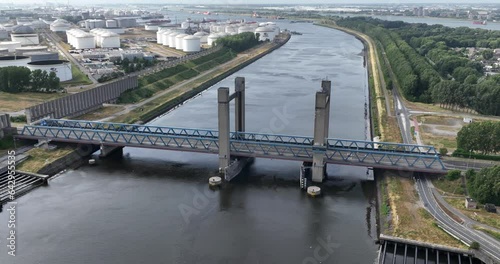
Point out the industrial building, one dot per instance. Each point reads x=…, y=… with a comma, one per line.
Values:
x=62, y=68
x=80, y=39
x=95, y=23
x=24, y=35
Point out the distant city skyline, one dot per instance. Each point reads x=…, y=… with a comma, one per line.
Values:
x=239, y=2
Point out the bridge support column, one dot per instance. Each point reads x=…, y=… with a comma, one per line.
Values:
x=321, y=130
x=223, y=112
x=106, y=151
x=230, y=167
x=239, y=101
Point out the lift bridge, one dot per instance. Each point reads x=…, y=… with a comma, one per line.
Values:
x=237, y=148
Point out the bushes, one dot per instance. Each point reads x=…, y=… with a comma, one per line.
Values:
x=18, y=119
x=453, y=175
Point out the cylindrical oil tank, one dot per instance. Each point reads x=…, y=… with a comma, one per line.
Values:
x=99, y=23
x=22, y=50
x=191, y=44
x=203, y=36
x=110, y=40
x=25, y=39
x=265, y=33
x=8, y=27
x=62, y=68
x=4, y=51
x=212, y=38
x=171, y=39
x=14, y=61
x=42, y=55
x=164, y=38
x=11, y=45
x=178, y=41
x=84, y=41
x=245, y=29
x=110, y=23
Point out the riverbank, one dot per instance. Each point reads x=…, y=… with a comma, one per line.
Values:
x=400, y=211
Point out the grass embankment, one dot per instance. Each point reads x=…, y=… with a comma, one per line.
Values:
x=409, y=219
x=19, y=101
x=79, y=78
x=154, y=83
x=480, y=215
x=38, y=158
x=493, y=234
x=447, y=187
x=179, y=93
x=100, y=113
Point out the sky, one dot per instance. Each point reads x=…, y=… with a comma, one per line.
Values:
x=291, y=2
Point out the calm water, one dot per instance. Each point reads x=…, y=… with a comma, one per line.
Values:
x=155, y=206
x=443, y=21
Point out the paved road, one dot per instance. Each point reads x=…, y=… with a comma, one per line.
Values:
x=467, y=221
x=50, y=35
x=488, y=245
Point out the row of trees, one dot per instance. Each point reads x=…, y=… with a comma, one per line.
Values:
x=135, y=65
x=239, y=42
x=483, y=137
x=431, y=63
x=484, y=186
x=15, y=79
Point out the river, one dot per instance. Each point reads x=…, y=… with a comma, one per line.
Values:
x=153, y=206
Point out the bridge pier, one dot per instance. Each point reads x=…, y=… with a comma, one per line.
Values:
x=230, y=167
x=321, y=130
x=107, y=150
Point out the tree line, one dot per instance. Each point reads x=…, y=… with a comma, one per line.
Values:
x=14, y=79
x=239, y=42
x=431, y=62
x=481, y=137
x=484, y=186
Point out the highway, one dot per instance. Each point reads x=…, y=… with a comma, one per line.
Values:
x=488, y=245
x=465, y=232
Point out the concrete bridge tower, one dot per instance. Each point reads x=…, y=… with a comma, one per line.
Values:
x=321, y=130
x=230, y=167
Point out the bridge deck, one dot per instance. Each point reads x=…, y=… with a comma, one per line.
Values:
x=338, y=151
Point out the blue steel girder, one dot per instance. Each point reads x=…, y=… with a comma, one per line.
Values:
x=124, y=138
x=241, y=143
x=108, y=126
x=378, y=157
x=384, y=146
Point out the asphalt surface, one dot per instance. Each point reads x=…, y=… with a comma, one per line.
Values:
x=488, y=245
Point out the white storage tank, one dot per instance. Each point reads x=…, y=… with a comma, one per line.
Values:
x=191, y=44
x=23, y=50
x=7, y=61
x=164, y=38
x=179, y=41
x=110, y=40
x=171, y=39
x=4, y=34
x=245, y=29
x=24, y=35
x=62, y=68
x=10, y=45
x=59, y=25
x=8, y=27
x=265, y=33
x=3, y=51
x=202, y=35
x=42, y=55
x=212, y=38
x=110, y=23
